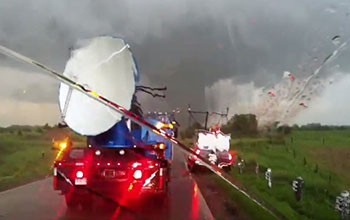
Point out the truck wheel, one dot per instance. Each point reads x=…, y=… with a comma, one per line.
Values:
x=191, y=168
x=87, y=203
x=71, y=201
x=227, y=168
x=161, y=201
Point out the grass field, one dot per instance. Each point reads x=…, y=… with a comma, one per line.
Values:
x=26, y=154
x=322, y=158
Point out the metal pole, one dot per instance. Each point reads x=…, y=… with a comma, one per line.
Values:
x=206, y=120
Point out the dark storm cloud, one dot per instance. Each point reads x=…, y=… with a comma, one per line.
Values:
x=186, y=45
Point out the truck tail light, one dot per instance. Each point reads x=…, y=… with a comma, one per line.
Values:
x=79, y=174
x=198, y=151
x=137, y=174
x=229, y=156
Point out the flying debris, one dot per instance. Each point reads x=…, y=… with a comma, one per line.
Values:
x=289, y=75
x=303, y=105
x=271, y=93
x=284, y=100
x=336, y=40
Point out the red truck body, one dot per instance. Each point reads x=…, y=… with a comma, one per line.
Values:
x=112, y=173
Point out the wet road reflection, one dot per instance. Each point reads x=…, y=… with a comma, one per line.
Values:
x=38, y=201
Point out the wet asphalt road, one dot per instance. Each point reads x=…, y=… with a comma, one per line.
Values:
x=37, y=200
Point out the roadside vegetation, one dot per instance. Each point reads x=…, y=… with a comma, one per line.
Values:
x=26, y=154
x=319, y=154
x=321, y=158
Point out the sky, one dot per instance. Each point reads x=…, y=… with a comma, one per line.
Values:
x=190, y=46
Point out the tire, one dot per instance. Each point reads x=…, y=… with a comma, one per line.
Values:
x=87, y=203
x=227, y=168
x=191, y=168
x=71, y=201
x=161, y=201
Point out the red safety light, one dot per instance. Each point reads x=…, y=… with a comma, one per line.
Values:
x=198, y=151
x=118, y=164
x=108, y=164
x=59, y=164
x=98, y=164
x=137, y=174
x=157, y=164
x=229, y=156
x=79, y=174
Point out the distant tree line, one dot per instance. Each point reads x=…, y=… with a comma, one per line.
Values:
x=318, y=126
x=247, y=125
x=241, y=125
x=24, y=128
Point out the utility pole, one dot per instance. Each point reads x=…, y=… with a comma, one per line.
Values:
x=206, y=113
x=222, y=114
x=206, y=120
x=190, y=111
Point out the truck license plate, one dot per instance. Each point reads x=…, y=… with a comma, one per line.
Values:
x=109, y=173
x=80, y=181
x=120, y=173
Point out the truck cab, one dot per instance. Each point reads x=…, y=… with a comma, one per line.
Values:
x=213, y=145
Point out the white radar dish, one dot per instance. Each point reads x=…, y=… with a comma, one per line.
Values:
x=106, y=66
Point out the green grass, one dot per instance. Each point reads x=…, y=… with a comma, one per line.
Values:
x=287, y=161
x=21, y=158
x=247, y=206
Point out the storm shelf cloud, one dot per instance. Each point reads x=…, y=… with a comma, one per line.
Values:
x=189, y=46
